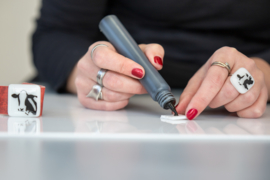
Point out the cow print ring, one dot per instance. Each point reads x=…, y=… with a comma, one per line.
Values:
x=242, y=80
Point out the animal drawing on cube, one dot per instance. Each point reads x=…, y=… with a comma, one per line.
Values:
x=26, y=102
x=247, y=80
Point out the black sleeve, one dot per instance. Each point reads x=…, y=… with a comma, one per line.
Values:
x=65, y=30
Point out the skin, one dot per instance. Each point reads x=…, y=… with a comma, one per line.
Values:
x=119, y=83
x=209, y=86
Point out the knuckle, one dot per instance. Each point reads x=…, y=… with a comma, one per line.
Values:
x=229, y=50
x=78, y=82
x=98, y=56
x=250, y=63
x=122, y=67
x=228, y=108
x=250, y=97
x=225, y=52
x=112, y=82
x=110, y=96
x=80, y=65
x=261, y=75
x=257, y=112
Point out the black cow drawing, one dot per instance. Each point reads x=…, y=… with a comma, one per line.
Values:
x=246, y=82
x=26, y=102
x=240, y=77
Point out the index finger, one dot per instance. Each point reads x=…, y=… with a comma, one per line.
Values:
x=107, y=58
x=212, y=83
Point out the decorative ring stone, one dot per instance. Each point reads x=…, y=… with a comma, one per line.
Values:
x=92, y=52
x=242, y=80
x=95, y=92
x=101, y=73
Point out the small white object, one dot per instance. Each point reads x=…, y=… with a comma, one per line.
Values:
x=24, y=100
x=242, y=80
x=174, y=119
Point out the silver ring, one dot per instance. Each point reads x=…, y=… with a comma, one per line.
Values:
x=92, y=52
x=221, y=64
x=100, y=75
x=95, y=92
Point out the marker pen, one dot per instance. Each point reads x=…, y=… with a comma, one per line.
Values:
x=153, y=82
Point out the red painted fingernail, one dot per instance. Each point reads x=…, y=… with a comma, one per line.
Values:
x=192, y=113
x=137, y=72
x=158, y=60
x=191, y=126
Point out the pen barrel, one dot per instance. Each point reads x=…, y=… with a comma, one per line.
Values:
x=153, y=82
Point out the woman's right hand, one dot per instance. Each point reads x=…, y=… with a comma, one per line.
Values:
x=121, y=80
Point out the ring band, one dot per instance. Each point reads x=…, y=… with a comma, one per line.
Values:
x=100, y=75
x=92, y=52
x=95, y=92
x=221, y=64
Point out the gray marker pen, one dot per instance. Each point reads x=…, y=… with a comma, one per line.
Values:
x=153, y=82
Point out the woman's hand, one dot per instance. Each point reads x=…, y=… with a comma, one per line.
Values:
x=211, y=86
x=120, y=81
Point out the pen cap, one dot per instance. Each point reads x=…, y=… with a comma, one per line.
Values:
x=153, y=82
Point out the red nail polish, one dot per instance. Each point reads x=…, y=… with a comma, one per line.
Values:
x=137, y=72
x=191, y=126
x=158, y=60
x=192, y=113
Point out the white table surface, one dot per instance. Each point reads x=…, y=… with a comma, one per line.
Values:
x=72, y=142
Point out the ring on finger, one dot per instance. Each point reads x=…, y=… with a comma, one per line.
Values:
x=95, y=93
x=221, y=64
x=242, y=80
x=92, y=52
x=101, y=73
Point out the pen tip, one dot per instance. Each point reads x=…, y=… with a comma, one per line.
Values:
x=172, y=108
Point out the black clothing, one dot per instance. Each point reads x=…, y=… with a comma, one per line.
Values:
x=190, y=31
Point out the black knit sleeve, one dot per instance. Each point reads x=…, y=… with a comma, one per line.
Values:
x=65, y=30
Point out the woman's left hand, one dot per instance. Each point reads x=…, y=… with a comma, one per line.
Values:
x=211, y=86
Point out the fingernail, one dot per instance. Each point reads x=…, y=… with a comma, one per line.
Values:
x=158, y=60
x=137, y=72
x=191, y=126
x=192, y=113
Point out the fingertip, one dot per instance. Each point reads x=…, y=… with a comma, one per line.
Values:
x=158, y=62
x=138, y=73
x=155, y=54
x=191, y=113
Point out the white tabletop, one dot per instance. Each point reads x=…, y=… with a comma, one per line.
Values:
x=72, y=142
